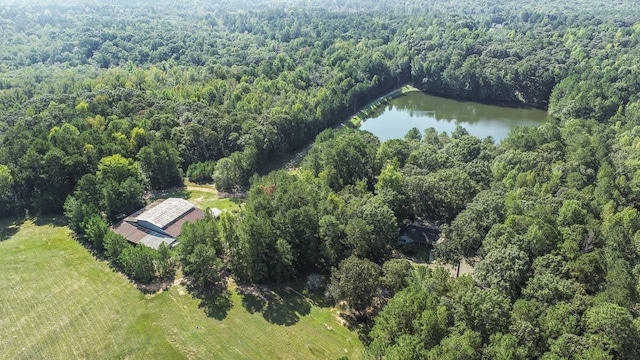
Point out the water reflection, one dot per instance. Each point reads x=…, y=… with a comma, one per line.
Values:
x=422, y=111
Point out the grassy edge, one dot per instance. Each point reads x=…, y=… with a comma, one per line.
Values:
x=365, y=112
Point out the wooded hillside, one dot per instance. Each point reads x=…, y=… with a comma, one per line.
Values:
x=101, y=103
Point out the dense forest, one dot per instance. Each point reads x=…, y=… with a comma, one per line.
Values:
x=101, y=103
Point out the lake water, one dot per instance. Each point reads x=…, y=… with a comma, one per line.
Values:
x=419, y=110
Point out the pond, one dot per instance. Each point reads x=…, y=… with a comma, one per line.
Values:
x=419, y=110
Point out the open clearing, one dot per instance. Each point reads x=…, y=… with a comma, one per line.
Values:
x=58, y=302
x=203, y=196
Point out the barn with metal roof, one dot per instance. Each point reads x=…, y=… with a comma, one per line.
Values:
x=159, y=222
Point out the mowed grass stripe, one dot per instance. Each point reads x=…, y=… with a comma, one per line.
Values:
x=49, y=284
x=57, y=301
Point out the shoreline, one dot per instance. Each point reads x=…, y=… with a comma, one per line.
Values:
x=356, y=119
x=365, y=112
x=293, y=159
x=511, y=104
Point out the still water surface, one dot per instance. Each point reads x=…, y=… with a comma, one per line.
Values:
x=416, y=109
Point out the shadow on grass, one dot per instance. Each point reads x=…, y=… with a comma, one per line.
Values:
x=50, y=220
x=282, y=306
x=180, y=192
x=156, y=285
x=253, y=303
x=9, y=227
x=359, y=324
x=216, y=302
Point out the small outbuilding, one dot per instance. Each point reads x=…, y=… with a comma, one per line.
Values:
x=215, y=212
x=159, y=222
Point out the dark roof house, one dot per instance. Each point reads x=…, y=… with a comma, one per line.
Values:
x=419, y=234
x=159, y=222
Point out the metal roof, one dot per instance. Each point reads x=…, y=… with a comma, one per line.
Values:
x=154, y=239
x=139, y=235
x=175, y=228
x=130, y=231
x=215, y=212
x=166, y=212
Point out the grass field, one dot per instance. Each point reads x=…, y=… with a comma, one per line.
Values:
x=58, y=302
x=202, y=196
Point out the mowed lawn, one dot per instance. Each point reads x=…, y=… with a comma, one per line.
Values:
x=203, y=196
x=58, y=302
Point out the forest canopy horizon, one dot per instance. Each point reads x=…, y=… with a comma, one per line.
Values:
x=102, y=103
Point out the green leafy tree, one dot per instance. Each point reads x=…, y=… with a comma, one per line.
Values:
x=468, y=230
x=407, y=347
x=442, y=194
x=612, y=329
x=485, y=311
x=413, y=135
x=95, y=229
x=373, y=232
x=504, y=347
x=122, y=198
x=411, y=313
x=116, y=168
x=284, y=261
x=457, y=346
x=560, y=319
x=504, y=270
x=356, y=282
x=138, y=262
x=7, y=200
x=76, y=211
x=164, y=260
x=199, y=251
x=114, y=245
x=395, y=274
x=203, y=265
x=226, y=173
x=549, y=288
x=160, y=164
x=575, y=347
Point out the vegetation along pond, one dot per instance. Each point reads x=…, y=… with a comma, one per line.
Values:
x=416, y=109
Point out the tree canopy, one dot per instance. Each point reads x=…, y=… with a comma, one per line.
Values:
x=97, y=109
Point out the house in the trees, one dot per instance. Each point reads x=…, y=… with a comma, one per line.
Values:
x=159, y=222
x=419, y=234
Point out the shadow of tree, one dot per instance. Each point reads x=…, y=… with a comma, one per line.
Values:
x=359, y=324
x=180, y=192
x=216, y=302
x=319, y=299
x=9, y=227
x=160, y=284
x=282, y=306
x=50, y=220
x=237, y=201
x=286, y=308
x=253, y=303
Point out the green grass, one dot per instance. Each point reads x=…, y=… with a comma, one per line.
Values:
x=205, y=200
x=202, y=196
x=58, y=302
